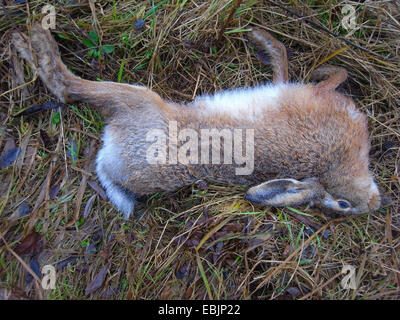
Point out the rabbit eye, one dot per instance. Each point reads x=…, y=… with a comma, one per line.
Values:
x=343, y=204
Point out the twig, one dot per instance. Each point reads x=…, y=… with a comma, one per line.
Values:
x=82, y=187
x=304, y=220
x=320, y=287
x=275, y=270
x=323, y=28
x=382, y=294
x=222, y=30
x=26, y=267
x=8, y=15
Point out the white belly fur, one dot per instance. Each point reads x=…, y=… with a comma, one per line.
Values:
x=243, y=102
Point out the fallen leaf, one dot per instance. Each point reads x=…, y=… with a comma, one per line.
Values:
x=24, y=209
x=290, y=294
x=192, y=242
x=204, y=219
x=17, y=72
x=31, y=245
x=230, y=261
x=188, y=293
x=47, y=142
x=10, y=143
x=54, y=191
x=182, y=271
x=98, y=280
x=108, y=294
x=34, y=264
x=294, y=292
x=82, y=268
x=387, y=145
x=139, y=24
x=88, y=207
x=257, y=241
x=202, y=185
x=90, y=251
x=64, y=263
x=219, y=246
x=234, y=227
x=188, y=44
x=217, y=253
x=167, y=293
x=12, y=294
x=29, y=155
x=73, y=151
x=9, y=157
x=288, y=249
x=309, y=251
x=96, y=187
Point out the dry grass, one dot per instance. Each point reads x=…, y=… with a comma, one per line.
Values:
x=202, y=241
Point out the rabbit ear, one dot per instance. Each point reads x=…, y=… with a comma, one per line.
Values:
x=286, y=192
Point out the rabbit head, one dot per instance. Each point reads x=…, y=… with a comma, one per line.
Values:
x=345, y=185
x=358, y=196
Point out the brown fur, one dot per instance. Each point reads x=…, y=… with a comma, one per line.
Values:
x=315, y=133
